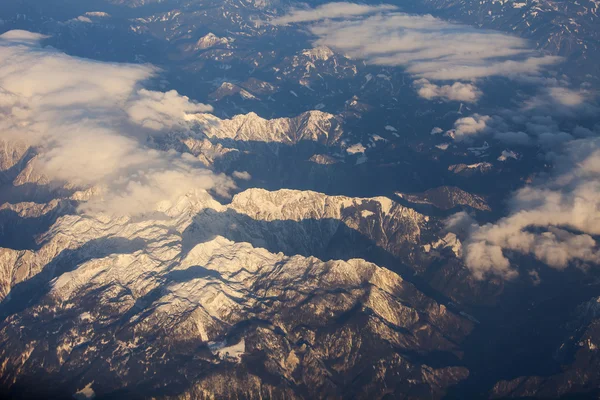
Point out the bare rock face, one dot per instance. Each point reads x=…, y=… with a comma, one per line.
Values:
x=269, y=295
x=378, y=228
x=250, y=89
x=215, y=141
x=206, y=151
x=259, y=87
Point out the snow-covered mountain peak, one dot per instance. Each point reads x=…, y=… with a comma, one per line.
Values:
x=321, y=53
x=297, y=204
x=314, y=125
x=211, y=40
x=228, y=301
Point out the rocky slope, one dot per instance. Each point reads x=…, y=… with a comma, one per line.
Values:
x=265, y=296
x=331, y=227
x=280, y=293
x=312, y=126
x=120, y=306
x=580, y=375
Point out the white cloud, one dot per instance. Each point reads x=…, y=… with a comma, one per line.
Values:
x=146, y=190
x=468, y=127
x=458, y=91
x=550, y=140
x=426, y=46
x=88, y=120
x=159, y=110
x=82, y=18
x=327, y=11
x=554, y=220
x=243, y=175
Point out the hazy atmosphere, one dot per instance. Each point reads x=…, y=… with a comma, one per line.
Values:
x=280, y=199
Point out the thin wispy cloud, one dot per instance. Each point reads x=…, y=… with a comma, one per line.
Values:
x=329, y=10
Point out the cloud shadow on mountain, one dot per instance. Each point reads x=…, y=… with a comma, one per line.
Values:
x=193, y=272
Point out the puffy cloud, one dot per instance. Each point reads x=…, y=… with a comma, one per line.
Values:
x=458, y=91
x=147, y=190
x=554, y=220
x=535, y=277
x=541, y=130
x=467, y=127
x=327, y=11
x=158, y=110
x=48, y=79
x=88, y=121
x=426, y=46
x=243, y=175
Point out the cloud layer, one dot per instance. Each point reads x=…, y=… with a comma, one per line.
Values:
x=87, y=120
x=427, y=47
